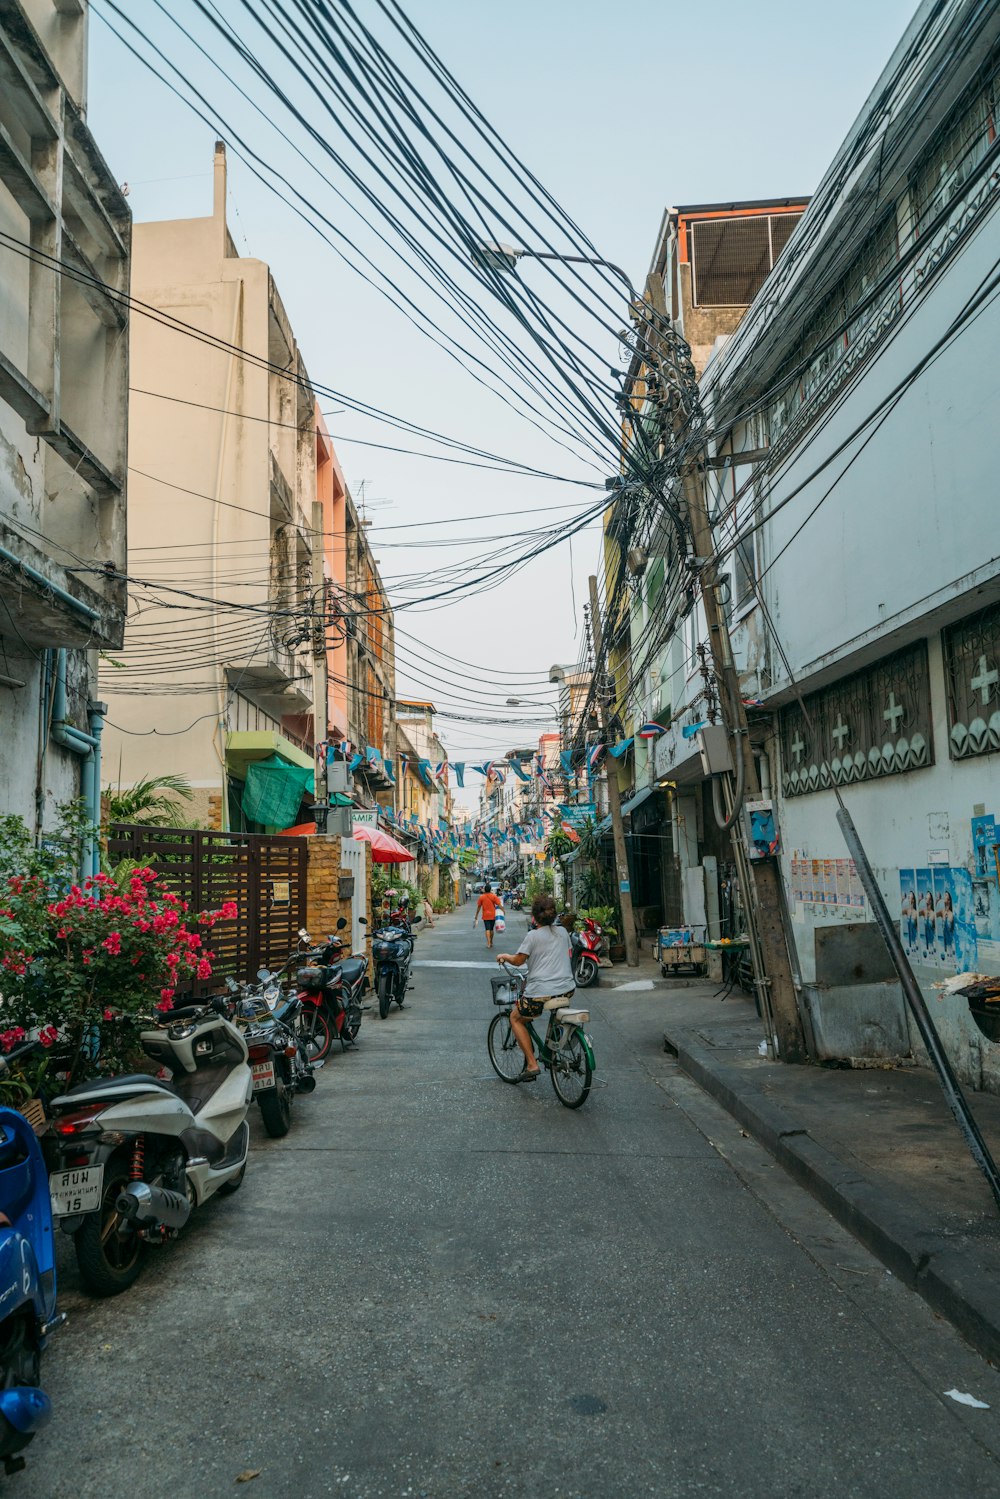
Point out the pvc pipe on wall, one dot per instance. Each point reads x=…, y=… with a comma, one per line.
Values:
x=88, y=748
x=43, y=581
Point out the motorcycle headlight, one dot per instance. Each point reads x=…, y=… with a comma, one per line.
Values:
x=272, y=993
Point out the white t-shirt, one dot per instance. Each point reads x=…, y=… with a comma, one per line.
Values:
x=550, y=970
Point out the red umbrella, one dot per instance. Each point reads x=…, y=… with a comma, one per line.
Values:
x=385, y=850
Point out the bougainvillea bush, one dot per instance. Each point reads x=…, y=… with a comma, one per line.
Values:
x=82, y=961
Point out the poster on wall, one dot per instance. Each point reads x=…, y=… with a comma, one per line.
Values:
x=938, y=921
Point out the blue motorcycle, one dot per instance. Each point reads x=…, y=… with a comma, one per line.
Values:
x=27, y=1285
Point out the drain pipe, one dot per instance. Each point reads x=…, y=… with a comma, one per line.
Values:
x=88, y=748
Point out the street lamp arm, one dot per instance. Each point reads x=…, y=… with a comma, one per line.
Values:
x=588, y=260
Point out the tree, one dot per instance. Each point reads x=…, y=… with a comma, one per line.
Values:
x=151, y=802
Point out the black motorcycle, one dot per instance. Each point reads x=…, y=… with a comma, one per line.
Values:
x=279, y=1059
x=392, y=954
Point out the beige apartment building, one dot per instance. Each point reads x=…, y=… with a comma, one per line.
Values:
x=225, y=653
x=64, y=271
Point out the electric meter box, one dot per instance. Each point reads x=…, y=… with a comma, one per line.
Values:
x=761, y=832
x=338, y=777
x=715, y=748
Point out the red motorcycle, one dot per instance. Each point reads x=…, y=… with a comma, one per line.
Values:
x=588, y=947
x=331, y=991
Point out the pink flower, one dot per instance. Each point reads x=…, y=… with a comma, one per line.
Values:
x=10, y=1038
x=229, y=910
x=113, y=943
x=204, y=970
x=166, y=999
x=108, y=1013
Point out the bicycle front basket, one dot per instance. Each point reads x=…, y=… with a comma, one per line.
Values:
x=505, y=989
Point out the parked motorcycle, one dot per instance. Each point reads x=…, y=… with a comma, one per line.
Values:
x=279, y=1061
x=587, y=948
x=130, y=1157
x=331, y=990
x=392, y=954
x=27, y=1284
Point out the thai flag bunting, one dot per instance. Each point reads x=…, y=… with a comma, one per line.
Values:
x=595, y=755
x=518, y=770
x=649, y=731
x=458, y=767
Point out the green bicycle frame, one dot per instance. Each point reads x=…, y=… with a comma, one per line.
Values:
x=542, y=1042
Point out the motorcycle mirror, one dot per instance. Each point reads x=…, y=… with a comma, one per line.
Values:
x=303, y=934
x=341, y=923
x=362, y=921
x=415, y=919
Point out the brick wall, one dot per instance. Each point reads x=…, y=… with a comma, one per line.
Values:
x=323, y=903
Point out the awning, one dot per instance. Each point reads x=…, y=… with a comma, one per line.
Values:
x=273, y=791
x=635, y=802
x=244, y=747
x=632, y=805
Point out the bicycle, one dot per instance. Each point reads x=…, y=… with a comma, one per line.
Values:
x=566, y=1051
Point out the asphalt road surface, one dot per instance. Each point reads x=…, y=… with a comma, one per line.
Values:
x=440, y=1285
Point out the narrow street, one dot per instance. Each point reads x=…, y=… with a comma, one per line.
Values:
x=440, y=1285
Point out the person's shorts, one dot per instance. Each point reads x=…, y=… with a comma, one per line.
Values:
x=530, y=1009
x=489, y=925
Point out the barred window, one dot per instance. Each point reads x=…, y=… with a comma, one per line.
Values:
x=732, y=257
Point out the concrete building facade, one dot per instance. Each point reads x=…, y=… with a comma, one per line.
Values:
x=851, y=414
x=65, y=232
x=228, y=609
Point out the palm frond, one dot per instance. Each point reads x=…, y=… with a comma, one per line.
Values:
x=152, y=801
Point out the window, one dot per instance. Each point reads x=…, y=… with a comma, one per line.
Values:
x=731, y=257
x=872, y=724
x=972, y=674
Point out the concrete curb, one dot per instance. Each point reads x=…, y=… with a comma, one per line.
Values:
x=956, y=1283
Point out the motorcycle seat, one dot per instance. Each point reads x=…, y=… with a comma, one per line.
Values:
x=133, y=1081
x=352, y=968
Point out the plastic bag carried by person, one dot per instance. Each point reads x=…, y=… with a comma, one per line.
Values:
x=499, y=923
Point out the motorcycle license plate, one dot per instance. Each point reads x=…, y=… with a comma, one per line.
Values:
x=76, y=1191
x=263, y=1075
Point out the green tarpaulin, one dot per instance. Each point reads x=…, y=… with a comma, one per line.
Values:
x=273, y=792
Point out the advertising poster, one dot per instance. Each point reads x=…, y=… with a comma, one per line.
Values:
x=938, y=918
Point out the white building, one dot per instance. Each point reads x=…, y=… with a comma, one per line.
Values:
x=64, y=254
x=862, y=552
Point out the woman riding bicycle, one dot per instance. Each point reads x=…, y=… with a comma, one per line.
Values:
x=546, y=950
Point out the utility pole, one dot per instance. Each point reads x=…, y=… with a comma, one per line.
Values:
x=760, y=882
x=614, y=796
x=321, y=715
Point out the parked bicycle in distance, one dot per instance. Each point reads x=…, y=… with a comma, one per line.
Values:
x=565, y=1050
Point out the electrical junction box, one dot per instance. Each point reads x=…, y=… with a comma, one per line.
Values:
x=761, y=833
x=715, y=748
x=338, y=777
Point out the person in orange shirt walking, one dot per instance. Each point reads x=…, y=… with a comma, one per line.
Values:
x=488, y=905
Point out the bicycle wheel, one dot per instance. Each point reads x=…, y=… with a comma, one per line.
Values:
x=571, y=1071
x=505, y=1054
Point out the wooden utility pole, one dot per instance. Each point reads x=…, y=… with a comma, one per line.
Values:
x=614, y=796
x=760, y=880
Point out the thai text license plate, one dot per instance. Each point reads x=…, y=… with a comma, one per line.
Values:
x=263, y=1075
x=76, y=1191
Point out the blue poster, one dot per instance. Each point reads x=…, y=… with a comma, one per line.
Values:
x=984, y=836
x=938, y=918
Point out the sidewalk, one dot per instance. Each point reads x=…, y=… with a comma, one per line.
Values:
x=877, y=1146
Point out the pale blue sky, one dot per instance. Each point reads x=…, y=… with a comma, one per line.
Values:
x=619, y=110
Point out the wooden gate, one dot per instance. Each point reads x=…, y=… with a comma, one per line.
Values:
x=265, y=876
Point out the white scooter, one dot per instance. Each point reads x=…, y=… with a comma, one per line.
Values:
x=129, y=1157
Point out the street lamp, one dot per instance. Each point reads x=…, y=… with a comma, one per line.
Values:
x=494, y=256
